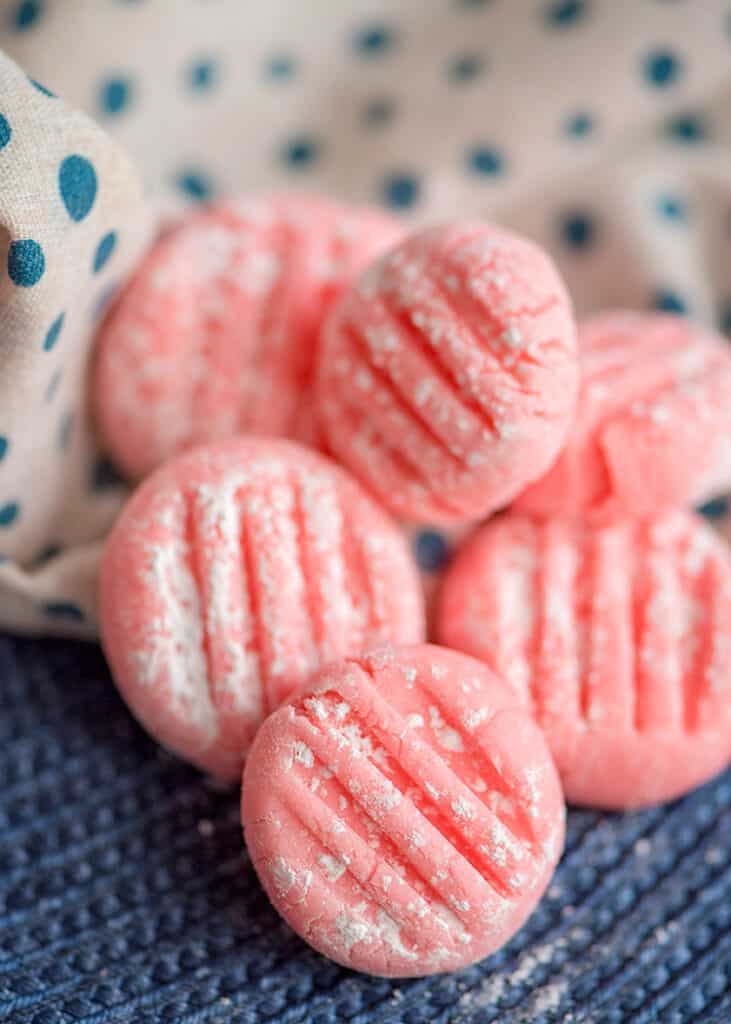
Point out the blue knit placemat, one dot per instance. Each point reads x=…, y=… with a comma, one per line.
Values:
x=126, y=894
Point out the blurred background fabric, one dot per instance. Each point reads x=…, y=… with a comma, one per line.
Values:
x=126, y=895
x=600, y=128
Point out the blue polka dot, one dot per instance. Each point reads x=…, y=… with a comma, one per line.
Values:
x=667, y=301
x=671, y=207
x=373, y=40
x=724, y=317
x=104, y=476
x=485, y=160
x=5, y=132
x=401, y=190
x=431, y=550
x=50, y=551
x=63, y=610
x=104, y=251
x=65, y=430
x=195, y=185
x=578, y=229
x=715, y=509
x=53, y=384
x=661, y=68
x=41, y=88
x=77, y=184
x=115, y=96
x=687, y=128
x=9, y=512
x=26, y=14
x=280, y=66
x=300, y=151
x=466, y=67
x=4, y=445
x=378, y=112
x=53, y=332
x=579, y=125
x=26, y=262
x=564, y=13
x=202, y=74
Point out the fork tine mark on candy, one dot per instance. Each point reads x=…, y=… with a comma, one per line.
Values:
x=390, y=856
x=462, y=338
x=650, y=618
x=216, y=333
x=230, y=576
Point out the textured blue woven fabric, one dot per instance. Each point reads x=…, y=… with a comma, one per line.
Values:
x=126, y=895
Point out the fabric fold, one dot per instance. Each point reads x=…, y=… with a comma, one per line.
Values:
x=73, y=222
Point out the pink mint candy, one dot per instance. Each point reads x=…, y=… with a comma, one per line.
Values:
x=403, y=812
x=234, y=572
x=216, y=333
x=654, y=423
x=617, y=637
x=447, y=375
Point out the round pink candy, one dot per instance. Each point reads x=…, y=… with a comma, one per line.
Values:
x=618, y=637
x=234, y=572
x=447, y=375
x=403, y=812
x=654, y=423
x=216, y=334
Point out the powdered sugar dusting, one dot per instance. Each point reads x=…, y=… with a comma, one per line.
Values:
x=250, y=573
x=418, y=867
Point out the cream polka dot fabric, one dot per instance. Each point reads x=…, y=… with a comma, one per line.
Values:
x=601, y=128
x=72, y=223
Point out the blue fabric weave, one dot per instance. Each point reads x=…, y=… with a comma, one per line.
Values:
x=126, y=895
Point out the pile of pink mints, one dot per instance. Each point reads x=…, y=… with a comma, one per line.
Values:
x=294, y=383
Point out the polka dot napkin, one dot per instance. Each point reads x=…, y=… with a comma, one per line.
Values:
x=601, y=128
x=72, y=223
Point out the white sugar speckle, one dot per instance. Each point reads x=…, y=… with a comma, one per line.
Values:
x=341, y=710
x=333, y=867
x=303, y=754
x=283, y=875
x=389, y=797
x=424, y=391
x=513, y=337
x=463, y=809
x=388, y=931
x=473, y=718
x=446, y=736
x=316, y=707
x=352, y=930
